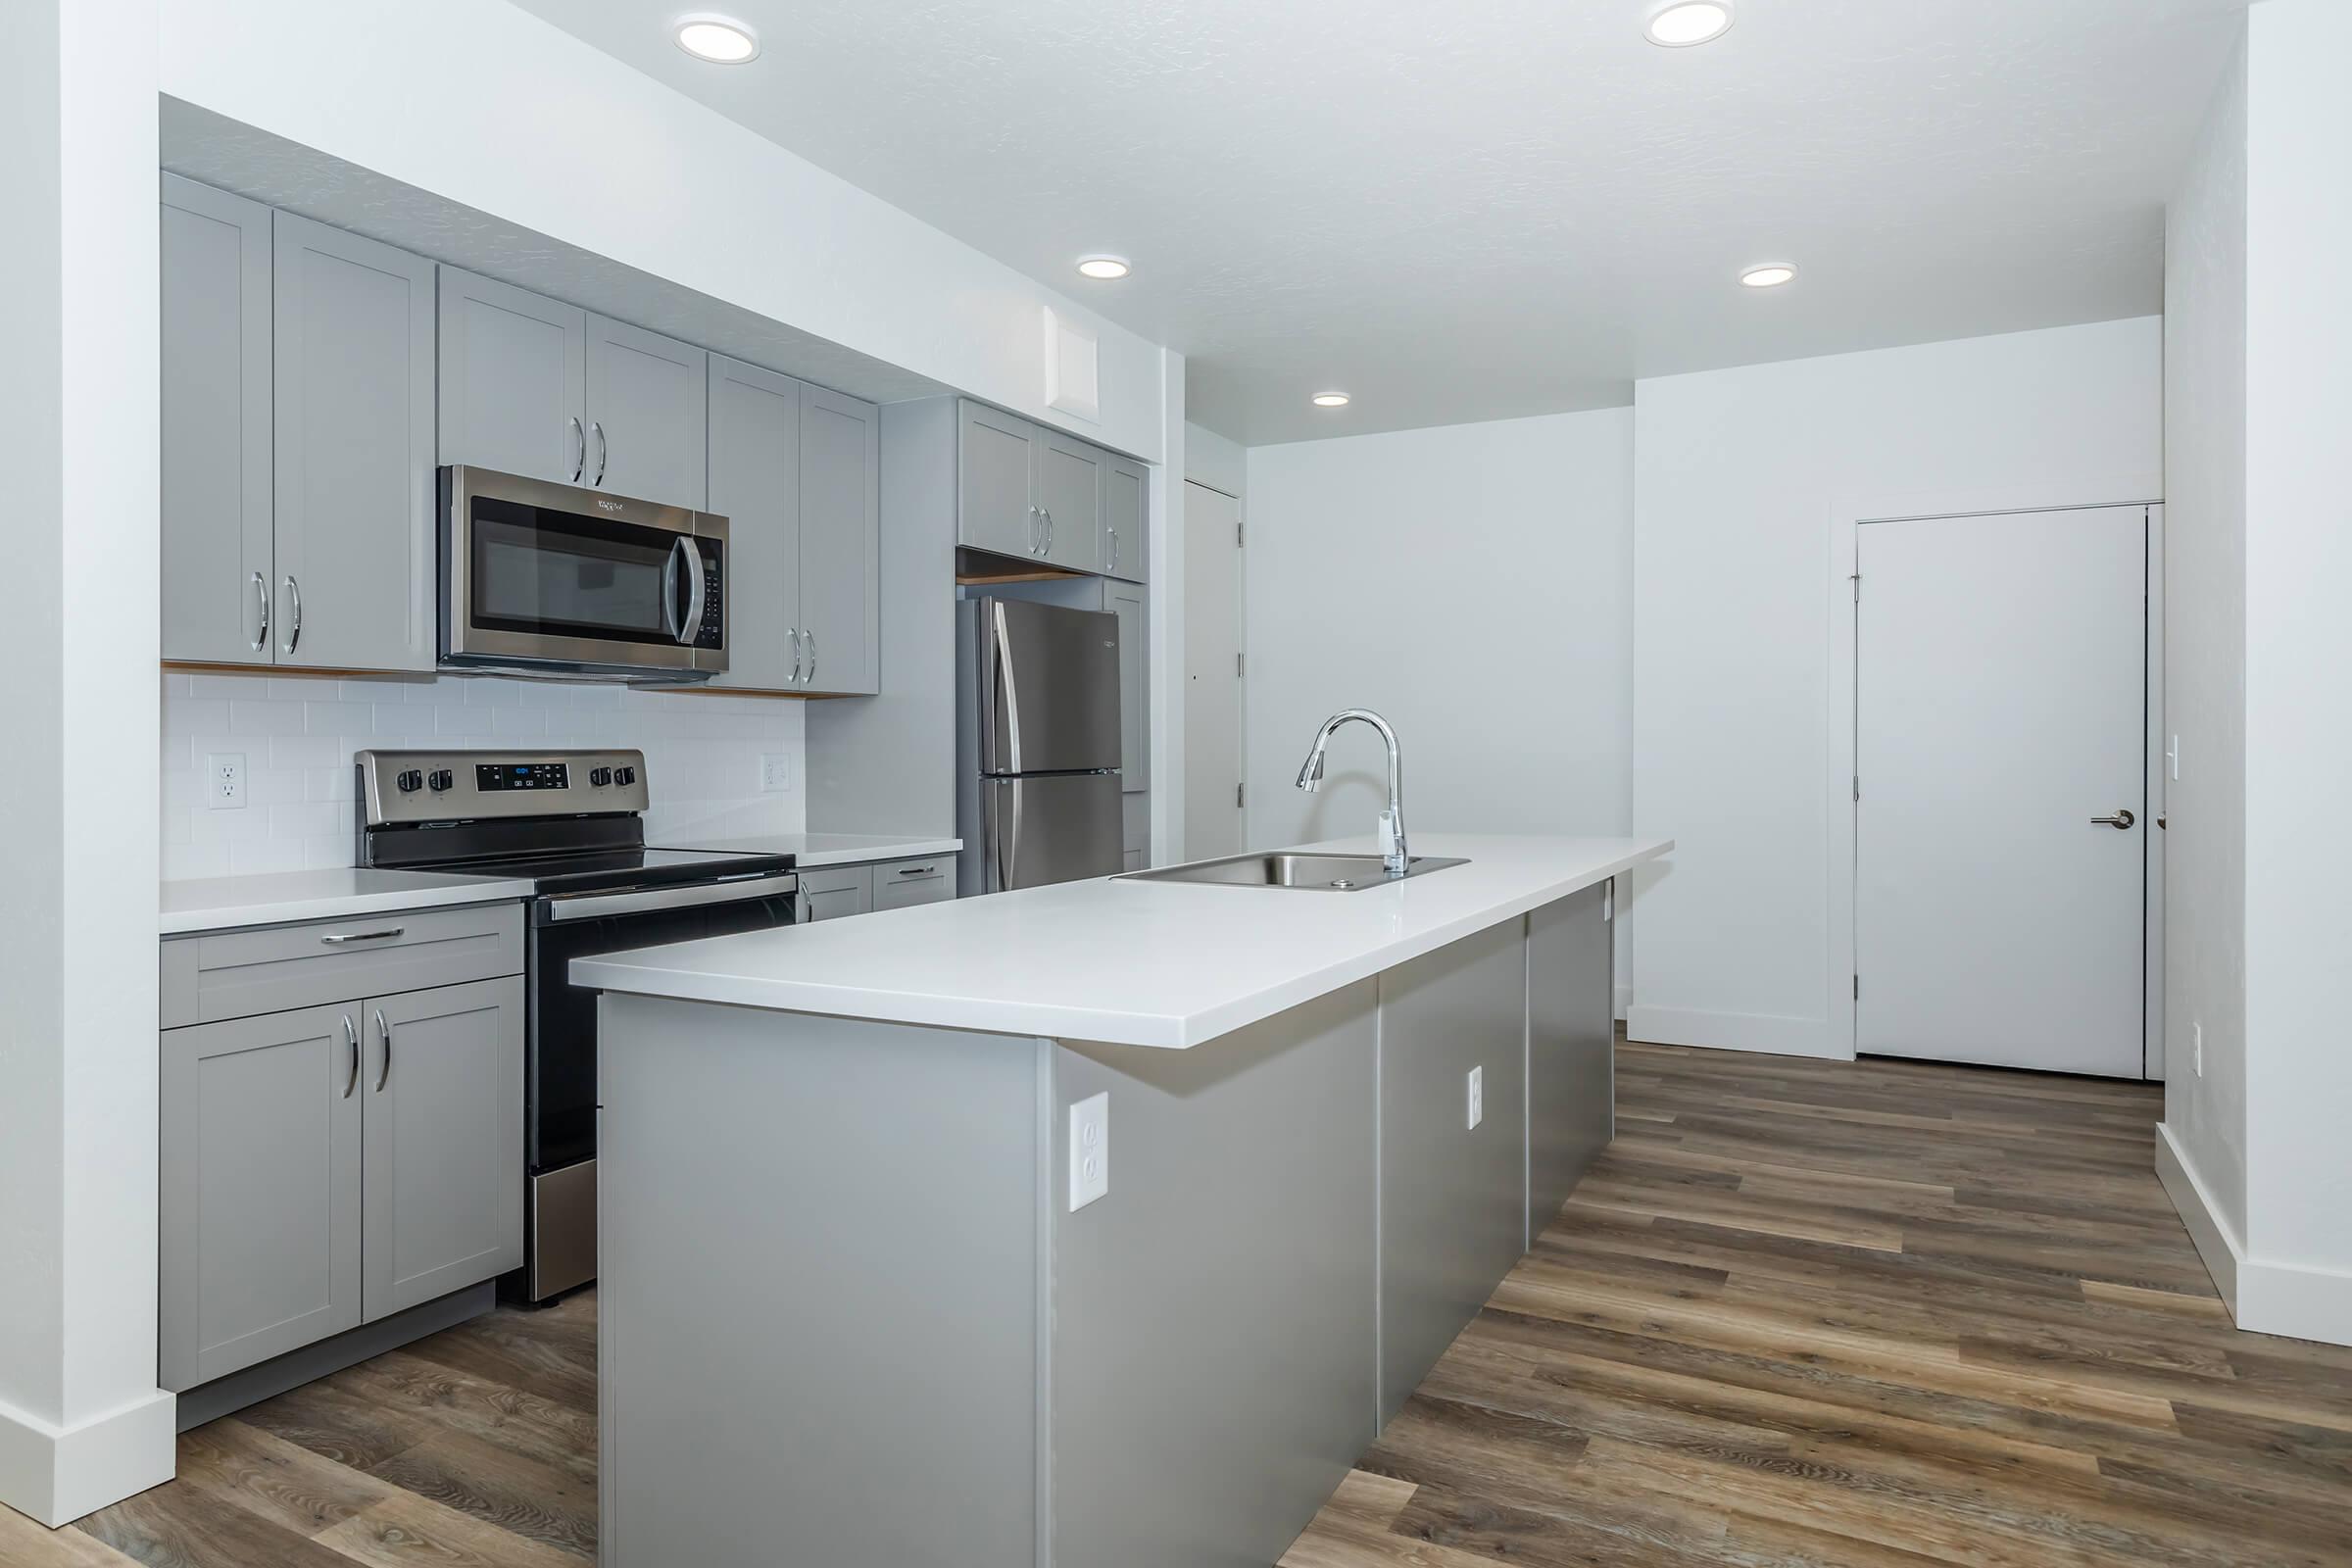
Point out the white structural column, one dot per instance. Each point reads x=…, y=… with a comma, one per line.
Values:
x=82, y=1421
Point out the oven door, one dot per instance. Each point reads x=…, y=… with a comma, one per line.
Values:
x=535, y=573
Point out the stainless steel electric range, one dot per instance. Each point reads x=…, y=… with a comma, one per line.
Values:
x=572, y=824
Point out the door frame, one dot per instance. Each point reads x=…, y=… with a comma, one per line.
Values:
x=1845, y=539
x=1241, y=702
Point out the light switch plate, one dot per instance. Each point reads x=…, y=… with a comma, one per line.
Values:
x=1090, y=1151
x=1477, y=1097
x=225, y=781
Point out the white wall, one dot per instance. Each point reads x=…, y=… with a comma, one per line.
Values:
x=2205, y=652
x=1473, y=584
x=1216, y=461
x=298, y=735
x=2298, y=745
x=486, y=105
x=1737, y=475
x=82, y=1421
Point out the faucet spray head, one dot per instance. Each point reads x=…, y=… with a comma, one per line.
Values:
x=1311, y=773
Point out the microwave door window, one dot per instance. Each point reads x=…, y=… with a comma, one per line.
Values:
x=533, y=578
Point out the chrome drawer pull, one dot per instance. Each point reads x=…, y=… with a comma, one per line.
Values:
x=384, y=1074
x=341, y=937
x=351, y=1038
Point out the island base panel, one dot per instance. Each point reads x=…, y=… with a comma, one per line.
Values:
x=1571, y=1046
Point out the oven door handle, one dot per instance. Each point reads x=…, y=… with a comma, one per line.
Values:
x=646, y=901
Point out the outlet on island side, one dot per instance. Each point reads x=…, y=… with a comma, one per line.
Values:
x=1477, y=1097
x=225, y=781
x=1090, y=1151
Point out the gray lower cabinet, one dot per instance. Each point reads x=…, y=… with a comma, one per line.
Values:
x=218, y=555
x=647, y=420
x=443, y=1167
x=328, y=1165
x=260, y=1183
x=1126, y=503
x=831, y=892
x=900, y=884
x=1128, y=602
x=513, y=378
x=353, y=393
x=1452, y=1197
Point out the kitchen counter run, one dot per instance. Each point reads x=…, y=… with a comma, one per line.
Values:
x=1142, y=963
x=810, y=850
x=276, y=898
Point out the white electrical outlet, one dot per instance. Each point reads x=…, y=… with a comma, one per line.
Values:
x=2196, y=1048
x=775, y=772
x=1090, y=1151
x=1477, y=1095
x=225, y=781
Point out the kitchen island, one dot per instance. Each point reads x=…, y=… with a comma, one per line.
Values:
x=1093, y=1224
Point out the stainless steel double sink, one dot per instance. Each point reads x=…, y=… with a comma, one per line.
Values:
x=1307, y=872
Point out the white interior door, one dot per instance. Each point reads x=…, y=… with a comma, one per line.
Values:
x=1212, y=684
x=1999, y=741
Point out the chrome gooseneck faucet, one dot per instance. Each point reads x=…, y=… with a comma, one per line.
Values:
x=1393, y=854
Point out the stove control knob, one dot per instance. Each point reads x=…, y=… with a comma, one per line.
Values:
x=442, y=779
x=625, y=776
x=600, y=776
x=409, y=781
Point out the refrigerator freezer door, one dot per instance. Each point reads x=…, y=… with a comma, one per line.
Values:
x=1049, y=688
x=1056, y=828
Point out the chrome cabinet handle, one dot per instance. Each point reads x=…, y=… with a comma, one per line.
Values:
x=260, y=592
x=1037, y=531
x=384, y=1074
x=604, y=449
x=916, y=870
x=1113, y=535
x=579, y=438
x=351, y=1038
x=811, y=675
x=1049, y=511
x=2119, y=821
x=341, y=937
x=294, y=631
x=792, y=636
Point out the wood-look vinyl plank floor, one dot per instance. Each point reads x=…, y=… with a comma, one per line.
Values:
x=1802, y=1314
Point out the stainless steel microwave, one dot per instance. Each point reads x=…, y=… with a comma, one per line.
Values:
x=557, y=578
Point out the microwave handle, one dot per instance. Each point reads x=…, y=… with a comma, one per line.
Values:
x=683, y=548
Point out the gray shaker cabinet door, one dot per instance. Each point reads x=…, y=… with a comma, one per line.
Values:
x=996, y=483
x=1126, y=493
x=647, y=415
x=829, y=892
x=1135, y=697
x=356, y=553
x=1069, y=487
x=443, y=1087
x=217, y=516
x=513, y=372
x=840, y=543
x=260, y=1131
x=755, y=485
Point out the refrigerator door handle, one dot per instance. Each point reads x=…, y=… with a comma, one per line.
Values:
x=1008, y=696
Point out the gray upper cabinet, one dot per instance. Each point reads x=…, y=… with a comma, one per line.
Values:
x=443, y=1164
x=1069, y=492
x=755, y=485
x=261, y=1135
x=514, y=379
x=1126, y=546
x=354, y=451
x=996, y=483
x=646, y=415
x=840, y=543
x=217, y=552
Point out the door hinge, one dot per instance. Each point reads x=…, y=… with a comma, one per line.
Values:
x=1237, y=536
x=1857, y=988
x=1237, y=796
x=1857, y=787
x=1237, y=664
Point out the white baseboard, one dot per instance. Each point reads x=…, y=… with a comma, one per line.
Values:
x=57, y=1474
x=2295, y=1301
x=1730, y=1031
x=1625, y=1001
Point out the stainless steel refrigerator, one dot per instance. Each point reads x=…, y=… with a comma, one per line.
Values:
x=1036, y=744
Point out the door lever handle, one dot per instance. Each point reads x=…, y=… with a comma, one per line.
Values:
x=2119, y=821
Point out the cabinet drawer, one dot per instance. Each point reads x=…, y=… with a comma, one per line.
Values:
x=832, y=892
x=236, y=974
x=900, y=883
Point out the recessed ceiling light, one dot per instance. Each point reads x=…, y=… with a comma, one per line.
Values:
x=1104, y=267
x=721, y=40
x=1690, y=22
x=1771, y=276
x=1330, y=400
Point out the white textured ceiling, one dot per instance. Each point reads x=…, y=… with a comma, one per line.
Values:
x=1472, y=209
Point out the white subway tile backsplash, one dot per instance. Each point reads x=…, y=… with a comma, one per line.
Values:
x=298, y=736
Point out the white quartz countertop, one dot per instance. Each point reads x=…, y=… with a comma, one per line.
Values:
x=225, y=903
x=1143, y=964
x=833, y=849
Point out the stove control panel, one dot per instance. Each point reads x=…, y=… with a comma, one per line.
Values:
x=406, y=788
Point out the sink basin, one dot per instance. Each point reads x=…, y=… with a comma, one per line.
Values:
x=1310, y=873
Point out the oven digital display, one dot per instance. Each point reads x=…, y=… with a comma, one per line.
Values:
x=522, y=775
